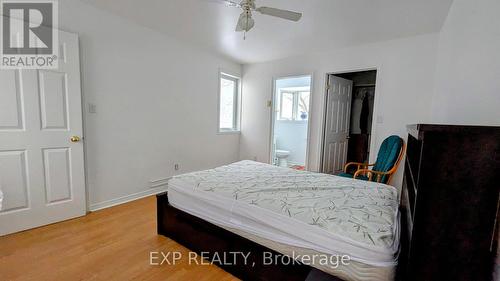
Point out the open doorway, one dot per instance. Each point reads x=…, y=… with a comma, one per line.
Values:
x=290, y=121
x=348, y=119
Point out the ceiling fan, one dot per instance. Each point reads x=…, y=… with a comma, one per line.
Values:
x=246, y=22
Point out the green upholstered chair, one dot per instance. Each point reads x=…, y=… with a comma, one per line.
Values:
x=389, y=155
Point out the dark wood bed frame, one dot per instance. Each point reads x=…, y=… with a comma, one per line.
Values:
x=199, y=236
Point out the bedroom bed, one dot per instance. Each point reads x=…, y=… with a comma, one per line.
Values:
x=256, y=207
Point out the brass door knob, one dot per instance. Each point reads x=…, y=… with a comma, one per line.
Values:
x=75, y=139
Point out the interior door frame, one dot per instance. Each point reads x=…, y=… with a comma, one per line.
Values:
x=272, y=105
x=376, y=105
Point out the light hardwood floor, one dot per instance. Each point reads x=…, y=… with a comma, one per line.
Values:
x=111, y=244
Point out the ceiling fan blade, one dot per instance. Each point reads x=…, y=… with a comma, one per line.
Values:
x=284, y=14
x=245, y=22
x=227, y=3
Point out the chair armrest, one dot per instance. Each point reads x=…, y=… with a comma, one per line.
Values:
x=370, y=173
x=366, y=172
x=364, y=165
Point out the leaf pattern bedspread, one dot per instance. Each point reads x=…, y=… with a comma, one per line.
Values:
x=360, y=210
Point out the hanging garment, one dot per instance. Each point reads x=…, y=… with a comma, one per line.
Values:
x=356, y=108
x=371, y=99
x=363, y=118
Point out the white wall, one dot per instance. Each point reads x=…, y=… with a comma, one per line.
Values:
x=468, y=69
x=156, y=104
x=292, y=136
x=405, y=81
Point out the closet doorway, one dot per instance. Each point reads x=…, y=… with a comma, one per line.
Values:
x=348, y=119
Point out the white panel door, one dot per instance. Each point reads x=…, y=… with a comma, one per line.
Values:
x=41, y=169
x=338, y=113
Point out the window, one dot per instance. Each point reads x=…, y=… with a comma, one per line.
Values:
x=287, y=106
x=229, y=93
x=294, y=105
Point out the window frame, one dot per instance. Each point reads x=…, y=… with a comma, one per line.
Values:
x=282, y=93
x=236, y=103
x=295, y=105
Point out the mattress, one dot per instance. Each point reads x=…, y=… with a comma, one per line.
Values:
x=288, y=210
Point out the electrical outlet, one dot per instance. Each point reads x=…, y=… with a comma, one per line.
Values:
x=176, y=167
x=255, y=158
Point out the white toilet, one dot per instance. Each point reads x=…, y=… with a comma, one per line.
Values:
x=282, y=155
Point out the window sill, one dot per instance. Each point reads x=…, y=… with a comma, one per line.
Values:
x=229, y=132
x=292, y=121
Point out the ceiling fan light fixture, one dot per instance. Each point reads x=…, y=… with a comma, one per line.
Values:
x=245, y=22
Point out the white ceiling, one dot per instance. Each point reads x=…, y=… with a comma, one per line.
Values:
x=325, y=25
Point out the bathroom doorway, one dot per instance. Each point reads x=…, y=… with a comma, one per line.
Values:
x=290, y=121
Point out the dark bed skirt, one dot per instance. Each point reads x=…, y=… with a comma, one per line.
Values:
x=216, y=243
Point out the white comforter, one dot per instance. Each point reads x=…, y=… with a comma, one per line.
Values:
x=362, y=215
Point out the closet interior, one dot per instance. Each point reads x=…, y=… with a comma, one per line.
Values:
x=363, y=96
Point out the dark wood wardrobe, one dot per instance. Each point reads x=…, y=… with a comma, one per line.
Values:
x=450, y=200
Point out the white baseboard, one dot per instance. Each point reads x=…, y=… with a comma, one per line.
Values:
x=159, y=182
x=127, y=198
